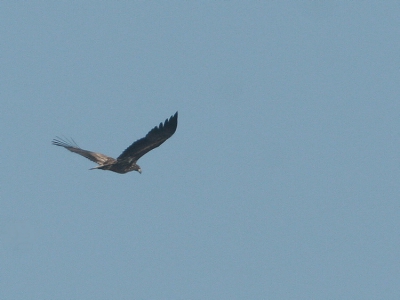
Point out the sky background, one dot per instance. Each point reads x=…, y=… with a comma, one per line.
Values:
x=281, y=181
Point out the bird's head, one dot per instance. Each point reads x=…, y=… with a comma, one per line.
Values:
x=138, y=169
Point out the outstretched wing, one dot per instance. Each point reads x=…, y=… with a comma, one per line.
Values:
x=98, y=158
x=153, y=139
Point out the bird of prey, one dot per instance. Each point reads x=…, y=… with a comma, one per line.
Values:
x=126, y=162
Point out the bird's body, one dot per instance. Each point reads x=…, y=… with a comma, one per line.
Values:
x=126, y=162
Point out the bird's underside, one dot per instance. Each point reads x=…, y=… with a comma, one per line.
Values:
x=126, y=162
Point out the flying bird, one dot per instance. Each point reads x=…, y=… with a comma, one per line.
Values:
x=126, y=162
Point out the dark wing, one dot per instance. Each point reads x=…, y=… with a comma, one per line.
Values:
x=153, y=139
x=98, y=158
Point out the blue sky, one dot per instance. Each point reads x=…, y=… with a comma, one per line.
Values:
x=281, y=181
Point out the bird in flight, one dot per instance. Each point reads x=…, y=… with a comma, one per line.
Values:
x=126, y=162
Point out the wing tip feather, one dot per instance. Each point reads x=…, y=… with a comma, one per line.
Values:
x=64, y=142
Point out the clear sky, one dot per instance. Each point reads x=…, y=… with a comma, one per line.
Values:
x=281, y=181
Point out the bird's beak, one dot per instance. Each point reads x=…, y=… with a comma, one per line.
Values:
x=140, y=171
